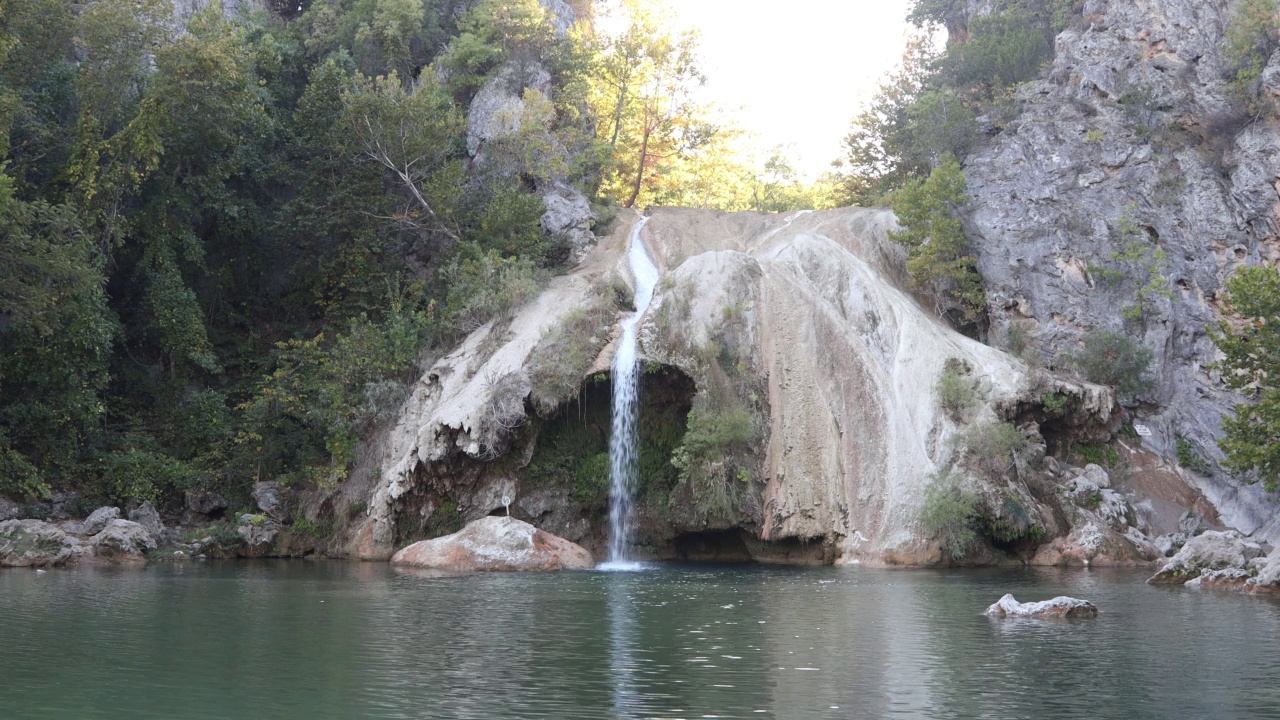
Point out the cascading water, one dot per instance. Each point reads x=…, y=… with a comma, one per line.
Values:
x=624, y=446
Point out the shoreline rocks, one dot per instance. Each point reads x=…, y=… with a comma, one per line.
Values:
x=1059, y=607
x=496, y=544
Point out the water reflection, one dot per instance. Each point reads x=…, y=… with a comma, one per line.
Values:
x=335, y=640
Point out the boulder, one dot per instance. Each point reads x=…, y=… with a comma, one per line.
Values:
x=276, y=501
x=98, y=520
x=147, y=516
x=1212, y=550
x=9, y=510
x=122, y=541
x=496, y=543
x=35, y=543
x=1229, y=579
x=63, y=505
x=1059, y=607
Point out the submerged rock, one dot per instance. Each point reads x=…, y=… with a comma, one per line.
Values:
x=34, y=543
x=1212, y=550
x=1059, y=607
x=496, y=543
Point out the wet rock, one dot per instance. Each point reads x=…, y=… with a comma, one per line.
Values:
x=1228, y=579
x=1211, y=550
x=1059, y=607
x=35, y=543
x=122, y=541
x=205, y=502
x=98, y=520
x=258, y=533
x=497, y=544
x=1267, y=580
x=147, y=516
x=9, y=510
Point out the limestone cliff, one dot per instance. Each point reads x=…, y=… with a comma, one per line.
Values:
x=1134, y=131
x=797, y=321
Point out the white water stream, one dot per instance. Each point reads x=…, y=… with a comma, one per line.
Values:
x=624, y=446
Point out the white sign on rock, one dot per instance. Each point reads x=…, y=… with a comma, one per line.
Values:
x=1142, y=430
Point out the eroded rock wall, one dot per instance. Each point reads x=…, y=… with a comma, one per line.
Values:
x=1134, y=127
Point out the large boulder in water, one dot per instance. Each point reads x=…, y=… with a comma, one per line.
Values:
x=1059, y=607
x=496, y=543
x=34, y=543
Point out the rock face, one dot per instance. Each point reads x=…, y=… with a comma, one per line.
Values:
x=258, y=533
x=1059, y=607
x=495, y=543
x=9, y=509
x=35, y=543
x=1133, y=135
x=147, y=516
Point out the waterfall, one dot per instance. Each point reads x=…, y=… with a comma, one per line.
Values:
x=624, y=445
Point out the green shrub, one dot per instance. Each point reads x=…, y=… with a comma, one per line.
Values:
x=956, y=391
x=1190, y=458
x=1252, y=35
x=140, y=475
x=1098, y=454
x=1014, y=523
x=1109, y=358
x=949, y=513
x=1053, y=403
x=483, y=286
x=992, y=448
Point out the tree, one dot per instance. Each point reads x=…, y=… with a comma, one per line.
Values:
x=412, y=134
x=938, y=254
x=1250, y=342
x=645, y=87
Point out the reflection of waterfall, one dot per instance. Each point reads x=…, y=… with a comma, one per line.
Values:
x=623, y=443
x=622, y=642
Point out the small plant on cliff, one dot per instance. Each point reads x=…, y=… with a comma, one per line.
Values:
x=1190, y=458
x=949, y=513
x=1251, y=37
x=992, y=448
x=938, y=254
x=1139, y=265
x=956, y=391
x=1250, y=343
x=1109, y=358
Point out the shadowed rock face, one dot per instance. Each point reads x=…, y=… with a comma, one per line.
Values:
x=808, y=327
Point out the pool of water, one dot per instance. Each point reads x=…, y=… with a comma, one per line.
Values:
x=297, y=639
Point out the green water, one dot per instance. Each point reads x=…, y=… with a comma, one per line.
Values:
x=347, y=640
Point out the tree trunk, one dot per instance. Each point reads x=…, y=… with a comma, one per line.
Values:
x=644, y=156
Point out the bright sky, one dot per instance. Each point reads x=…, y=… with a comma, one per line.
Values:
x=800, y=69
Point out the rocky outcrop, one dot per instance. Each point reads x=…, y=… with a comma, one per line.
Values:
x=35, y=543
x=1210, y=551
x=515, y=103
x=9, y=510
x=258, y=533
x=1059, y=607
x=122, y=541
x=1133, y=135
x=147, y=516
x=495, y=544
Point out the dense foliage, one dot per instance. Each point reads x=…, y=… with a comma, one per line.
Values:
x=223, y=248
